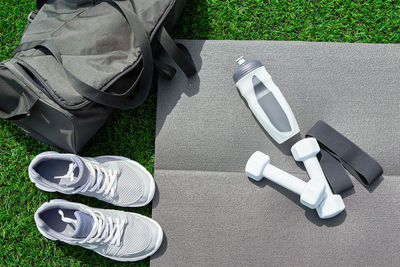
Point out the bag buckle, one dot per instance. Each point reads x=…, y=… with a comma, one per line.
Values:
x=32, y=16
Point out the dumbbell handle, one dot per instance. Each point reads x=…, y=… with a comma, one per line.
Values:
x=284, y=179
x=314, y=170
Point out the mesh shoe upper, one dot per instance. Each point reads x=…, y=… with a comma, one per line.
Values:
x=134, y=184
x=118, y=235
x=112, y=179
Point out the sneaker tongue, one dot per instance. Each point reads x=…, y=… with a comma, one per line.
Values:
x=84, y=224
x=76, y=174
x=70, y=177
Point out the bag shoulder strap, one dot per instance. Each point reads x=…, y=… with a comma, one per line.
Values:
x=119, y=101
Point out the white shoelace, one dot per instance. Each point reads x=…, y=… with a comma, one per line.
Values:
x=106, y=229
x=103, y=181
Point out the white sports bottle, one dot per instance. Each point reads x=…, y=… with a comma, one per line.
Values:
x=265, y=100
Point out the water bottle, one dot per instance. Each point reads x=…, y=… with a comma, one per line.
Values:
x=265, y=100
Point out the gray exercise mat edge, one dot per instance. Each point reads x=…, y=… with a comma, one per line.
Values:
x=199, y=140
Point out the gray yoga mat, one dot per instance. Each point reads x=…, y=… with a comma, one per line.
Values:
x=213, y=215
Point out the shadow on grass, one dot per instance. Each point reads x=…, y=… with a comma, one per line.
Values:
x=16, y=138
x=195, y=21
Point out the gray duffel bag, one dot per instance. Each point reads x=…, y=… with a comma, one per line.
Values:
x=79, y=60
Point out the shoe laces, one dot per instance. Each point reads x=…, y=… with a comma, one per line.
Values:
x=103, y=181
x=106, y=229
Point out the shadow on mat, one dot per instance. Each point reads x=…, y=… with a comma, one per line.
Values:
x=310, y=214
x=156, y=197
x=178, y=86
x=162, y=249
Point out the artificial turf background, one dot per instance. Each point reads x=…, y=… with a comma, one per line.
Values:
x=132, y=133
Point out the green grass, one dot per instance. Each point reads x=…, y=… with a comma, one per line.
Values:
x=132, y=133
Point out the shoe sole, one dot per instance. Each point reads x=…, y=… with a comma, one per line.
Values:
x=151, y=193
x=160, y=238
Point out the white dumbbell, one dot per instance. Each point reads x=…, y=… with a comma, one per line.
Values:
x=306, y=151
x=311, y=193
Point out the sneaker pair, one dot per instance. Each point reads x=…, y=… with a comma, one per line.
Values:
x=122, y=236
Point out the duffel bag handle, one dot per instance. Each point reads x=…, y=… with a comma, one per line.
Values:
x=178, y=52
x=15, y=101
x=118, y=101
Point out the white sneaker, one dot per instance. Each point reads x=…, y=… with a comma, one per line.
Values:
x=113, y=179
x=118, y=235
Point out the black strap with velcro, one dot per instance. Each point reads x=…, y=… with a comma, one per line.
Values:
x=339, y=153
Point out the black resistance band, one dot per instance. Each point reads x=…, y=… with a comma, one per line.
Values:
x=337, y=153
